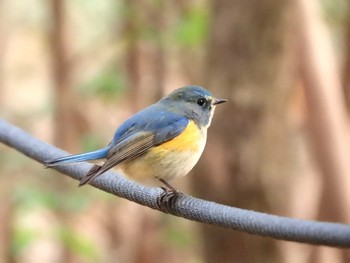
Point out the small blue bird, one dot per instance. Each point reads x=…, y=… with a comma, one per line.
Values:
x=165, y=140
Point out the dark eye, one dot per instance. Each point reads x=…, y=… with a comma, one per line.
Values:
x=201, y=101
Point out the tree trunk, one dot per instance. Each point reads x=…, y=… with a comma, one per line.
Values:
x=66, y=129
x=66, y=126
x=346, y=68
x=328, y=119
x=132, y=57
x=248, y=150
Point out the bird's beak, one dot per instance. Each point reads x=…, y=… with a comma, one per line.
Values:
x=218, y=101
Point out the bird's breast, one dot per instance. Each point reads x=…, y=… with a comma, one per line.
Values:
x=171, y=159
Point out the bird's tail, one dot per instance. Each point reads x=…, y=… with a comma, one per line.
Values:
x=76, y=158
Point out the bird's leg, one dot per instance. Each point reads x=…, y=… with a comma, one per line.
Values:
x=167, y=199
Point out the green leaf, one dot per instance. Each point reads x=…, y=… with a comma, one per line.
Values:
x=193, y=29
x=21, y=239
x=92, y=142
x=31, y=198
x=177, y=234
x=107, y=85
x=78, y=244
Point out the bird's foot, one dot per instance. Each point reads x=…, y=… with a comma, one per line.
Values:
x=166, y=201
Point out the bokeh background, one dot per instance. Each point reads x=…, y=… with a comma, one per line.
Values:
x=72, y=71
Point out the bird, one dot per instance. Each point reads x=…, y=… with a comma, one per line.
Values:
x=163, y=141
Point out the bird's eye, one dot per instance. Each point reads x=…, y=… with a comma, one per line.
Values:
x=201, y=101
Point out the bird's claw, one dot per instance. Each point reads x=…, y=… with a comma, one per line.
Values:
x=167, y=199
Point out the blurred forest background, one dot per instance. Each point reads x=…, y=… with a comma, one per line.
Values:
x=72, y=71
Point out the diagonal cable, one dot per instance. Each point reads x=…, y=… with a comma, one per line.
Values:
x=284, y=228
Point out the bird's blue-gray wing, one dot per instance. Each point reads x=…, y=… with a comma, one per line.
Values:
x=138, y=134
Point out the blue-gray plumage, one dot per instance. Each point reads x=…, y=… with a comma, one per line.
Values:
x=159, y=141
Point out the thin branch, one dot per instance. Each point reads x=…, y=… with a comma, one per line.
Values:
x=320, y=233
